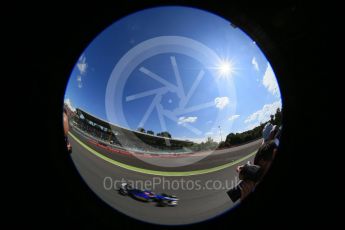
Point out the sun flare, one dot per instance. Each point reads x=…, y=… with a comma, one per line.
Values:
x=226, y=68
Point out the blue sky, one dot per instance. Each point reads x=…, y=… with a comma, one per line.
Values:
x=254, y=96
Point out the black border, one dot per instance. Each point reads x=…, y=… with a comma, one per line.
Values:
x=50, y=191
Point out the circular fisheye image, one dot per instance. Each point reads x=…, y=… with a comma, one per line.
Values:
x=172, y=115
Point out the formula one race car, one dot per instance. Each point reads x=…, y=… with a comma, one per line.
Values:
x=148, y=196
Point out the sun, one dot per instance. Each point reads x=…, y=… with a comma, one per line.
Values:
x=226, y=68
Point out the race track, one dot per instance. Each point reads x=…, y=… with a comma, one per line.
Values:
x=202, y=196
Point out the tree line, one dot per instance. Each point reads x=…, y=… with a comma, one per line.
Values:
x=161, y=134
x=250, y=135
x=232, y=139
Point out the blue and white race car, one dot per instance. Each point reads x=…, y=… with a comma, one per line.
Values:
x=148, y=196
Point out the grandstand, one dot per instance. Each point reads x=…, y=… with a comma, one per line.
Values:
x=124, y=138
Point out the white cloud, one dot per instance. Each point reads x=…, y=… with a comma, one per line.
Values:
x=270, y=82
x=208, y=133
x=255, y=63
x=80, y=84
x=182, y=120
x=234, y=117
x=69, y=104
x=82, y=65
x=221, y=102
x=264, y=114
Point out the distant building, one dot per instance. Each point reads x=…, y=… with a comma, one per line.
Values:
x=122, y=136
x=69, y=112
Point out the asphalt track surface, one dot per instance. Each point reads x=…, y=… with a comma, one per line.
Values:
x=177, y=163
x=201, y=196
